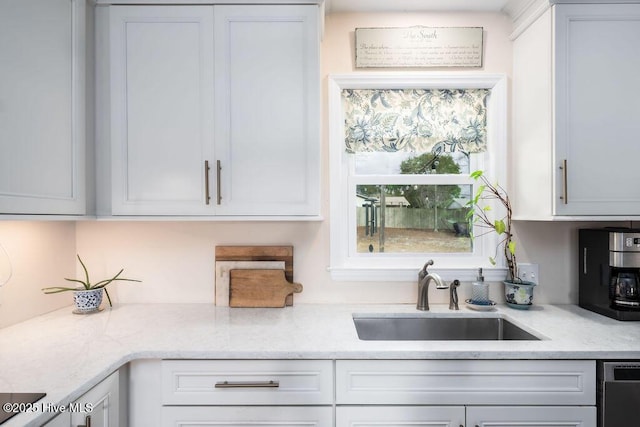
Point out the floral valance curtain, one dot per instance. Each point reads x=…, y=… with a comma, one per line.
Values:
x=420, y=120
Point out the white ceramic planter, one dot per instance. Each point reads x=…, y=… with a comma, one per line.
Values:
x=87, y=301
x=519, y=295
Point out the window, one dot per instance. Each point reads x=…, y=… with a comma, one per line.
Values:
x=392, y=210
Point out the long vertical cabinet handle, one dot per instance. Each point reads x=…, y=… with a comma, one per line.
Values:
x=218, y=186
x=564, y=181
x=207, y=196
x=87, y=422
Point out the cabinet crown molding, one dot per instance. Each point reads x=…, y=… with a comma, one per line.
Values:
x=205, y=2
x=523, y=13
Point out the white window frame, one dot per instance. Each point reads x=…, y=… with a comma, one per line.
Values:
x=345, y=264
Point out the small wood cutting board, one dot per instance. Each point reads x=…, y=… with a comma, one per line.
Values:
x=259, y=288
x=260, y=253
x=222, y=276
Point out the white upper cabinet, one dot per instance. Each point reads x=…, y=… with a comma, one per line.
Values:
x=267, y=109
x=42, y=107
x=597, y=105
x=214, y=110
x=575, y=127
x=161, y=108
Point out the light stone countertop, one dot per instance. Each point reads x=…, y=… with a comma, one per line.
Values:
x=65, y=355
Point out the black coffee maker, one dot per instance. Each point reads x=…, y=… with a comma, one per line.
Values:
x=609, y=276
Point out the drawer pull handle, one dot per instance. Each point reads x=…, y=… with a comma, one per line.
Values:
x=207, y=196
x=248, y=384
x=218, y=182
x=564, y=197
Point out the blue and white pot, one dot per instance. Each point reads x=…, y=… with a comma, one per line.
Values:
x=87, y=301
x=519, y=295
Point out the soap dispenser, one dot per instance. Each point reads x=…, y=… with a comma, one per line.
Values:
x=480, y=290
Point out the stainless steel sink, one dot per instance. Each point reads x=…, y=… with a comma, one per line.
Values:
x=421, y=328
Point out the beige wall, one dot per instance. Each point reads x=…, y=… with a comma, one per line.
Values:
x=41, y=254
x=175, y=260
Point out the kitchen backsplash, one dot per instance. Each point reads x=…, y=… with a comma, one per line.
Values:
x=176, y=262
x=41, y=254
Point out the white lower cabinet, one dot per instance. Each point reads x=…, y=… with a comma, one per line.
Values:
x=460, y=416
x=414, y=416
x=290, y=416
x=531, y=416
x=465, y=393
x=232, y=393
x=99, y=407
x=363, y=393
x=247, y=382
x=61, y=420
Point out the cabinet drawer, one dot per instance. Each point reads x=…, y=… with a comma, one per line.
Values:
x=528, y=416
x=451, y=382
x=62, y=420
x=247, y=382
x=290, y=416
x=431, y=416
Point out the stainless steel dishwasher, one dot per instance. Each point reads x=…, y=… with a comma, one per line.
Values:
x=618, y=393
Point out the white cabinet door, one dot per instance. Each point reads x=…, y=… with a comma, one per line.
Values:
x=575, y=102
x=42, y=107
x=145, y=393
x=267, y=109
x=161, y=67
x=247, y=382
x=99, y=407
x=265, y=416
x=259, y=136
x=375, y=416
x=531, y=416
x=61, y=420
x=465, y=382
x=597, y=102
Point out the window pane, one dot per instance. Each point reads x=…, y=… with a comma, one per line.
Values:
x=416, y=219
x=380, y=163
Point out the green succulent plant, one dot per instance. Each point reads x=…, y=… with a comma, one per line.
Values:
x=480, y=213
x=87, y=285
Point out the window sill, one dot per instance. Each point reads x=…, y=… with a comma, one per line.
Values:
x=410, y=274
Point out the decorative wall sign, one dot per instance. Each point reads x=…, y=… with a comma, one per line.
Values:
x=419, y=47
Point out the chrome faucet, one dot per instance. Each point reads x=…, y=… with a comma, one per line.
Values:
x=424, y=279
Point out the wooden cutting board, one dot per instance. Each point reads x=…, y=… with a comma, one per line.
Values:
x=259, y=288
x=222, y=275
x=260, y=253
